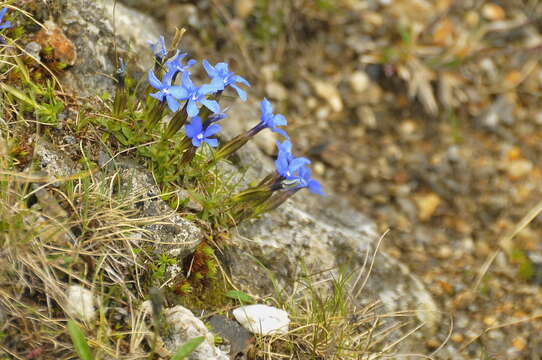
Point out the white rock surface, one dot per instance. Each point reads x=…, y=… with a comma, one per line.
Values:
x=80, y=303
x=262, y=319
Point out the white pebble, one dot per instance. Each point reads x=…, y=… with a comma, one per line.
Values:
x=262, y=319
x=80, y=303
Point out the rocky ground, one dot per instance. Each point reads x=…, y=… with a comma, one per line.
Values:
x=426, y=117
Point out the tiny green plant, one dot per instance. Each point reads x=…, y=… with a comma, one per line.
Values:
x=240, y=296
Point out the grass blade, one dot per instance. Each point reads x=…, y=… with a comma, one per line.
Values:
x=79, y=341
x=188, y=348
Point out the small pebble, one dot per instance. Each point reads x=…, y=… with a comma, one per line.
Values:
x=359, y=81
x=80, y=303
x=319, y=168
x=262, y=319
x=330, y=93
x=33, y=49
x=493, y=12
x=427, y=205
x=518, y=168
x=457, y=338
x=444, y=252
x=69, y=139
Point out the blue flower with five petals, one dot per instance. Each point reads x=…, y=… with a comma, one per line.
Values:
x=199, y=134
x=194, y=95
x=165, y=90
x=220, y=71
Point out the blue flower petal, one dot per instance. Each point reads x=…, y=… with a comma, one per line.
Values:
x=212, y=142
x=153, y=81
x=187, y=82
x=280, y=132
x=179, y=92
x=297, y=163
x=279, y=120
x=192, y=108
x=172, y=103
x=196, y=142
x=315, y=187
x=194, y=127
x=242, y=93
x=211, y=105
x=211, y=71
x=158, y=95
x=266, y=107
x=222, y=68
x=241, y=80
x=211, y=130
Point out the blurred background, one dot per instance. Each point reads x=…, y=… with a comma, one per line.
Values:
x=425, y=115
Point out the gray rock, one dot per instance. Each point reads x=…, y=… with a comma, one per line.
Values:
x=171, y=233
x=158, y=8
x=90, y=25
x=237, y=338
x=184, y=326
x=53, y=161
x=33, y=49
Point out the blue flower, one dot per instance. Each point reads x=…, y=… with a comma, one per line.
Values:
x=286, y=164
x=305, y=181
x=199, y=135
x=293, y=171
x=165, y=90
x=175, y=63
x=7, y=24
x=220, y=71
x=270, y=120
x=159, y=48
x=195, y=95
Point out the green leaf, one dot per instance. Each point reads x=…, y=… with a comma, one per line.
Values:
x=240, y=296
x=79, y=341
x=188, y=348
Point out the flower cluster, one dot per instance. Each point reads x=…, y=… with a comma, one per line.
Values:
x=197, y=109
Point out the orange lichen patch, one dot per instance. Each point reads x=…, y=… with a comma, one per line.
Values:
x=53, y=37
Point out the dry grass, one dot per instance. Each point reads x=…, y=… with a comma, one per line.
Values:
x=328, y=321
x=81, y=233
